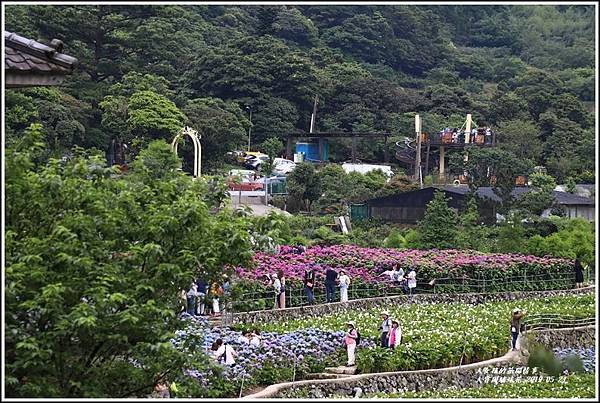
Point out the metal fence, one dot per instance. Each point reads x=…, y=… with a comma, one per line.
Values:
x=555, y=321
x=296, y=296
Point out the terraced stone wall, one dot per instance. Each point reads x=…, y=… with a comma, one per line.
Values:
x=267, y=316
x=461, y=377
x=579, y=337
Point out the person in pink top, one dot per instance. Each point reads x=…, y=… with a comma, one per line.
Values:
x=350, y=341
x=395, y=337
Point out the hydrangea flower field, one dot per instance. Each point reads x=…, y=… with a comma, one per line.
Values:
x=366, y=264
x=435, y=336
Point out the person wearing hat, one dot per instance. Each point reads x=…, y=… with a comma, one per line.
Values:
x=395, y=337
x=515, y=326
x=385, y=327
x=350, y=341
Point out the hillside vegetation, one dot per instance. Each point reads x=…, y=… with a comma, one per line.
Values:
x=528, y=71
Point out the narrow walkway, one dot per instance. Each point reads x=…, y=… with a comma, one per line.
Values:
x=270, y=391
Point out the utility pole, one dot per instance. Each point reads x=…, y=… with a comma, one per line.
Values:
x=250, y=127
x=313, y=125
x=467, y=138
x=418, y=151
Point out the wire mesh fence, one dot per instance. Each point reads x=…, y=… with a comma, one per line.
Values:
x=296, y=296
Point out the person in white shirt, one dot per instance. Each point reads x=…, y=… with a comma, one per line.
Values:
x=255, y=338
x=398, y=274
x=245, y=337
x=191, y=299
x=344, y=284
x=412, y=281
x=277, y=288
x=224, y=351
x=389, y=273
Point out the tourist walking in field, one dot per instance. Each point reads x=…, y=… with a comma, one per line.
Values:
x=398, y=274
x=309, y=285
x=331, y=277
x=395, y=337
x=216, y=292
x=224, y=352
x=246, y=337
x=412, y=281
x=385, y=327
x=352, y=336
x=277, y=288
x=191, y=299
x=390, y=274
x=578, y=273
x=515, y=326
x=255, y=338
x=344, y=284
x=281, y=277
x=182, y=300
x=201, y=288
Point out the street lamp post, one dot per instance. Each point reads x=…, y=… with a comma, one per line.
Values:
x=250, y=127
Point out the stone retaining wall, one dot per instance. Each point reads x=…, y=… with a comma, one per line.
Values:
x=577, y=337
x=462, y=377
x=267, y=316
x=392, y=382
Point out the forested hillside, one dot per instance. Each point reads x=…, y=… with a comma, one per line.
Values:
x=528, y=71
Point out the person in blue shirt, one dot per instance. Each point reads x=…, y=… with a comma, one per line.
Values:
x=331, y=277
x=201, y=287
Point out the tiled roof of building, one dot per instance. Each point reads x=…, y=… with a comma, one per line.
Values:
x=22, y=55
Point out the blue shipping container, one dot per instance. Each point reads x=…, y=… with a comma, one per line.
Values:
x=311, y=150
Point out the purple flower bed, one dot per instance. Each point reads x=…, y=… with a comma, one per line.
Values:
x=587, y=355
x=367, y=263
x=310, y=349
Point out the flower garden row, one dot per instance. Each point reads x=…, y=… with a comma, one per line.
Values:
x=435, y=335
x=440, y=335
x=367, y=263
x=501, y=272
x=573, y=385
x=576, y=386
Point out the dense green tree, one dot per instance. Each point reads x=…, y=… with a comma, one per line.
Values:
x=574, y=237
x=272, y=147
x=304, y=185
x=141, y=117
x=438, y=228
x=521, y=138
x=292, y=25
x=222, y=127
x=20, y=113
x=541, y=196
x=497, y=168
x=94, y=264
x=511, y=235
x=472, y=233
x=368, y=64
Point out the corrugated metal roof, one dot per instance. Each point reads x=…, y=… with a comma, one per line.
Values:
x=488, y=193
x=22, y=55
x=563, y=198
